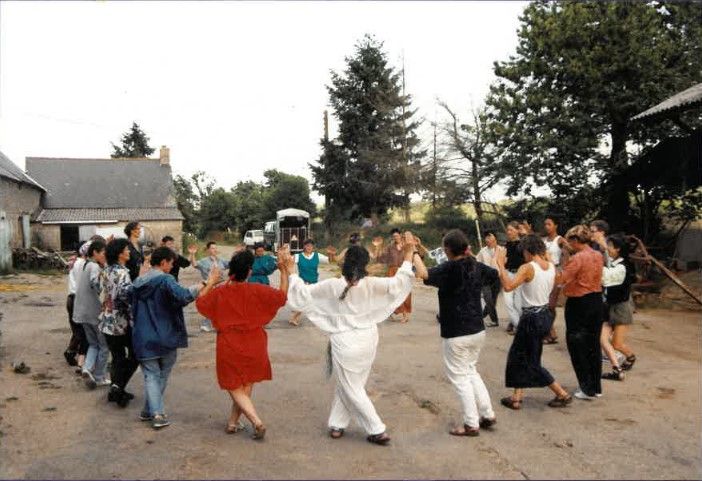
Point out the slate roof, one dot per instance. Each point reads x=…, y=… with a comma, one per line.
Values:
x=9, y=170
x=105, y=215
x=103, y=183
x=679, y=102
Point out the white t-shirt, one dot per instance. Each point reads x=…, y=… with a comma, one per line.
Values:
x=322, y=258
x=553, y=249
x=487, y=256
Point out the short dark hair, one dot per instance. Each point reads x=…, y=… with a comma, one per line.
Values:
x=161, y=254
x=532, y=244
x=513, y=223
x=97, y=237
x=600, y=225
x=308, y=241
x=207, y=246
x=354, y=238
x=258, y=245
x=555, y=218
x=395, y=230
x=167, y=238
x=96, y=246
x=620, y=244
x=240, y=265
x=130, y=227
x=115, y=248
x=456, y=242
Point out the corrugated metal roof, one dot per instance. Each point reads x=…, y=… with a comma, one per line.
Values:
x=11, y=171
x=677, y=103
x=103, y=183
x=105, y=215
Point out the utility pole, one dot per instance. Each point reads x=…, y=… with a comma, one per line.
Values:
x=408, y=212
x=326, y=126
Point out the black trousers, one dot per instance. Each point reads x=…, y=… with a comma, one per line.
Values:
x=583, y=316
x=124, y=364
x=78, y=342
x=524, y=367
x=490, y=293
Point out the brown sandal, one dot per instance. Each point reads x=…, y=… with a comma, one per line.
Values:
x=560, y=402
x=487, y=423
x=234, y=428
x=467, y=431
x=511, y=403
x=381, y=439
x=336, y=433
x=259, y=432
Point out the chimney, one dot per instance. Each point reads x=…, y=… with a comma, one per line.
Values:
x=165, y=155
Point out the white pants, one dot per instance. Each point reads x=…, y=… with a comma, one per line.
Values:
x=513, y=302
x=460, y=359
x=353, y=353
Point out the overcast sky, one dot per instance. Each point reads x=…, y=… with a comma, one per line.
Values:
x=232, y=88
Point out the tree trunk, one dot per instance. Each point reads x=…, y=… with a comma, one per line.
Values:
x=476, y=192
x=616, y=209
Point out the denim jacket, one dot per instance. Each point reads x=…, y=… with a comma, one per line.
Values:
x=157, y=313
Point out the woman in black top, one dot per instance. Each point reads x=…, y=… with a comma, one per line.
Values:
x=617, y=279
x=460, y=281
x=136, y=255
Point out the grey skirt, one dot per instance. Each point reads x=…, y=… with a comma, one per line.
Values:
x=619, y=314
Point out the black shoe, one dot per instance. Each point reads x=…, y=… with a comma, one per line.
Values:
x=123, y=400
x=617, y=374
x=70, y=357
x=115, y=394
x=128, y=395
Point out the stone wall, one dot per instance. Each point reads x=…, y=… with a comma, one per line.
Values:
x=17, y=199
x=48, y=236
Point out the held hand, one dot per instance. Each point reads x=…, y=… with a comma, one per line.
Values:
x=214, y=275
x=331, y=251
x=377, y=241
x=145, y=267
x=409, y=243
x=192, y=249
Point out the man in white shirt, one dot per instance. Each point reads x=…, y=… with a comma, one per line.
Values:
x=490, y=292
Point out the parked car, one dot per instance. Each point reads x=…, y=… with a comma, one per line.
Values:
x=252, y=237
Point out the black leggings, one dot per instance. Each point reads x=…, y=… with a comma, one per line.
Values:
x=583, y=316
x=78, y=342
x=123, y=361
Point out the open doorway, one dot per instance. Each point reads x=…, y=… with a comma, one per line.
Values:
x=69, y=237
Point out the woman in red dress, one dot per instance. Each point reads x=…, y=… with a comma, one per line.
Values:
x=238, y=311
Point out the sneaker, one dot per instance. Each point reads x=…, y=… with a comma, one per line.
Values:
x=205, y=328
x=103, y=383
x=143, y=416
x=160, y=421
x=88, y=379
x=581, y=395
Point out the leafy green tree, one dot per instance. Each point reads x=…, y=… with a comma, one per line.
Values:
x=218, y=212
x=249, y=206
x=283, y=191
x=135, y=143
x=560, y=109
x=370, y=167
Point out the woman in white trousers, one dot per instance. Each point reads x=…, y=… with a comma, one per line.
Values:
x=348, y=308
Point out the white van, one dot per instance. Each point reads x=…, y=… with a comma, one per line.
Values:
x=253, y=236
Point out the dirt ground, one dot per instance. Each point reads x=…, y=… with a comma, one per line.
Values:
x=52, y=427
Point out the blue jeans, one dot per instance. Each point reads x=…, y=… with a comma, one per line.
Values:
x=156, y=372
x=98, y=352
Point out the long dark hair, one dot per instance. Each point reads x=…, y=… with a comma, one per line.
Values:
x=354, y=268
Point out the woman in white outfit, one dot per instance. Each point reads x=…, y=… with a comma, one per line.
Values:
x=349, y=308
